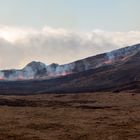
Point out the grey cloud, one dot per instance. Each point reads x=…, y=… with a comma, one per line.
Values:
x=57, y=45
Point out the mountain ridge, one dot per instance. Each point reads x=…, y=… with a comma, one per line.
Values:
x=38, y=70
x=121, y=73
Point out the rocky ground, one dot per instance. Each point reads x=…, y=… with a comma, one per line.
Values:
x=90, y=116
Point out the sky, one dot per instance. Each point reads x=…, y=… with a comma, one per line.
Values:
x=112, y=15
x=63, y=31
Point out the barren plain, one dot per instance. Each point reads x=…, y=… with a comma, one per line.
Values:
x=85, y=116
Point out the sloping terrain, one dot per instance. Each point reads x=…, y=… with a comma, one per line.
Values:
x=39, y=70
x=121, y=73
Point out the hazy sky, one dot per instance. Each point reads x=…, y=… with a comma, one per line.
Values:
x=62, y=31
x=112, y=15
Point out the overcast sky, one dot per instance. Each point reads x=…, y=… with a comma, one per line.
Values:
x=64, y=30
x=112, y=15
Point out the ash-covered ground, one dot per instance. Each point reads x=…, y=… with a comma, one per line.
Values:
x=88, y=116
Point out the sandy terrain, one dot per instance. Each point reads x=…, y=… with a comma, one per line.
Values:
x=100, y=116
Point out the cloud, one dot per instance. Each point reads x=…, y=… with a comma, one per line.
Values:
x=19, y=46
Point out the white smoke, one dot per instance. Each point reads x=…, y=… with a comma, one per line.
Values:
x=1, y=75
x=19, y=46
x=29, y=73
x=25, y=74
x=65, y=69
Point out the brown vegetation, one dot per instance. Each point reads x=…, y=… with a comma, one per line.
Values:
x=98, y=116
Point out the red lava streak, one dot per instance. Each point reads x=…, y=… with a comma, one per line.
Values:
x=108, y=62
x=21, y=77
x=2, y=78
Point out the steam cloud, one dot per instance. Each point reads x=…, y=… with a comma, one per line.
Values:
x=19, y=46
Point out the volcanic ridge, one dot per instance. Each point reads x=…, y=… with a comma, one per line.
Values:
x=116, y=71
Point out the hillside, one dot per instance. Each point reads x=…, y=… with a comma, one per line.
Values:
x=114, y=71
